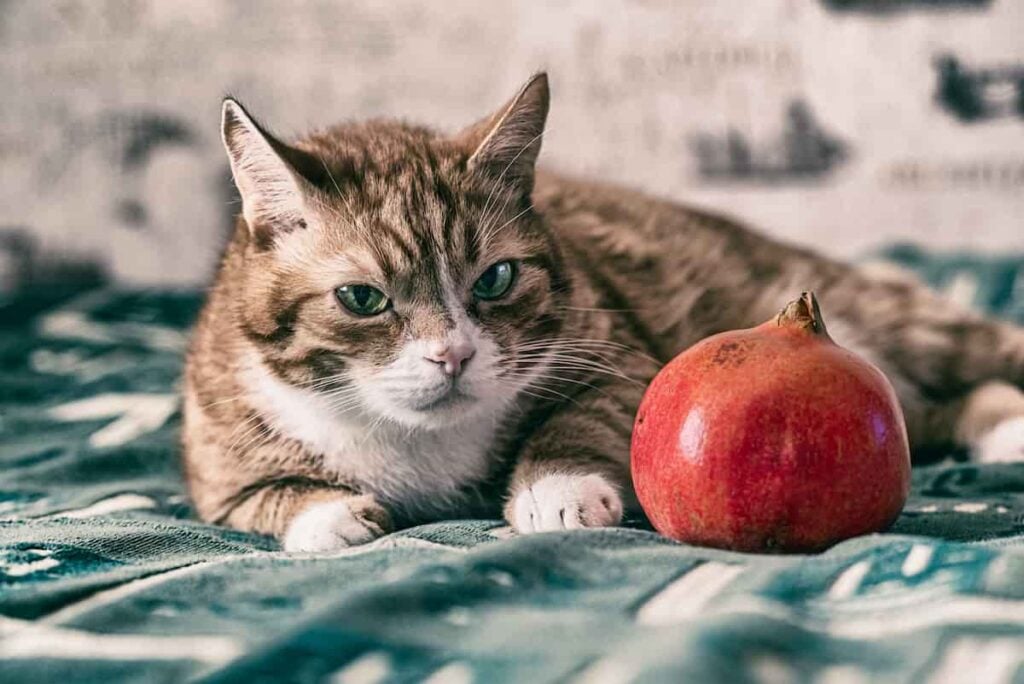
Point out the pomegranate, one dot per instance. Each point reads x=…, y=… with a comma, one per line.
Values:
x=772, y=438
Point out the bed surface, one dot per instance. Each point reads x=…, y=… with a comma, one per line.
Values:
x=105, y=576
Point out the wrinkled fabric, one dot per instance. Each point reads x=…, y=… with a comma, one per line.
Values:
x=105, y=576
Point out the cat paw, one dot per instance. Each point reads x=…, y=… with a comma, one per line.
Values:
x=566, y=502
x=1002, y=444
x=335, y=525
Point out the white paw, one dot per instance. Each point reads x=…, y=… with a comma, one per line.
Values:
x=329, y=526
x=1002, y=444
x=566, y=502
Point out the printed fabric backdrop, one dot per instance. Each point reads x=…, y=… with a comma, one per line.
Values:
x=842, y=124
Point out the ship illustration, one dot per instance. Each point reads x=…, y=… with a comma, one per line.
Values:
x=802, y=151
x=887, y=6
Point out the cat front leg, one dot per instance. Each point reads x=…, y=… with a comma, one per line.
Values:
x=566, y=501
x=574, y=470
x=273, y=487
x=311, y=518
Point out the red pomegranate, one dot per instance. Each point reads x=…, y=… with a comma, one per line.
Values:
x=772, y=438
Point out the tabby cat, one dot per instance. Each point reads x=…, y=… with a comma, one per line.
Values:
x=409, y=326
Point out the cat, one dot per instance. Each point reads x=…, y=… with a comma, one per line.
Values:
x=408, y=326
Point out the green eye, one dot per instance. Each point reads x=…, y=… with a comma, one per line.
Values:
x=363, y=300
x=495, y=281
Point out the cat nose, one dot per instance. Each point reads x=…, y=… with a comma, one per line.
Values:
x=451, y=357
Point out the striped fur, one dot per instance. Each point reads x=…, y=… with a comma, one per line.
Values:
x=291, y=402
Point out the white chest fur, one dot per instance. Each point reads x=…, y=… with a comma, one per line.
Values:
x=416, y=468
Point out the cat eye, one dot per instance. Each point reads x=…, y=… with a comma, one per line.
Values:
x=362, y=300
x=495, y=281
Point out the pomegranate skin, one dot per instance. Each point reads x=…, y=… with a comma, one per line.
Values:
x=772, y=438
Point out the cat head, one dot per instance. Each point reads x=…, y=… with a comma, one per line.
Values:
x=399, y=273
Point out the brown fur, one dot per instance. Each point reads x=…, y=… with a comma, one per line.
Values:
x=638, y=278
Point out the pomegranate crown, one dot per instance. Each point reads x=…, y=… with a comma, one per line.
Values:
x=803, y=313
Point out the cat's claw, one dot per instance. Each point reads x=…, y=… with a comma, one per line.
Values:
x=566, y=502
x=335, y=525
x=1002, y=444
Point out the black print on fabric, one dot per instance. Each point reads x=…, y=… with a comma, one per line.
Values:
x=978, y=93
x=803, y=150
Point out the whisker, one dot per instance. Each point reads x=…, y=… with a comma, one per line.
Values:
x=256, y=431
x=555, y=378
x=339, y=392
x=254, y=441
x=581, y=345
x=566, y=346
x=530, y=393
x=528, y=390
x=486, y=213
x=330, y=175
x=491, y=233
x=582, y=355
x=489, y=220
x=326, y=380
x=595, y=309
x=224, y=401
x=583, y=370
x=592, y=360
x=250, y=420
x=578, y=340
x=344, y=406
x=372, y=429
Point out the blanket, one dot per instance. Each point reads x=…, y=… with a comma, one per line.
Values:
x=106, y=576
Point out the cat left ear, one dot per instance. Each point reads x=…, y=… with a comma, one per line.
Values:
x=267, y=174
x=506, y=144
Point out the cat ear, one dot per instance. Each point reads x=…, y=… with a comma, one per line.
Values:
x=507, y=143
x=267, y=174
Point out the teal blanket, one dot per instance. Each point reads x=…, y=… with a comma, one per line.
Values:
x=106, y=577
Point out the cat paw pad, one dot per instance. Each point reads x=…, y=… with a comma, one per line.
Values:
x=335, y=525
x=566, y=502
x=1002, y=444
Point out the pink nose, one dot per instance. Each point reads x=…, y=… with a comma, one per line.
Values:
x=451, y=357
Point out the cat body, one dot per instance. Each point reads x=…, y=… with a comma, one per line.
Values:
x=409, y=327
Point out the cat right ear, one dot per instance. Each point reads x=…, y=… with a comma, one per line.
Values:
x=265, y=170
x=506, y=144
